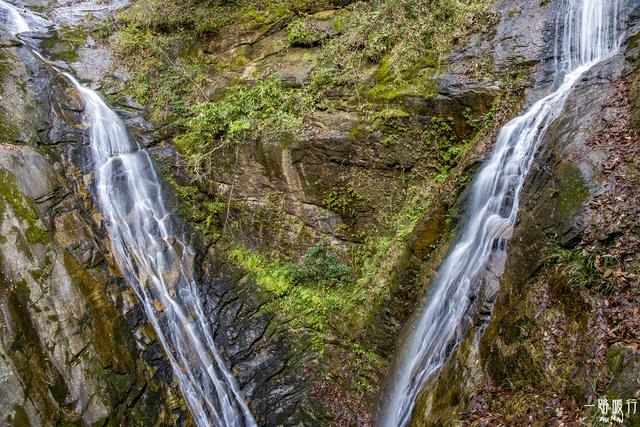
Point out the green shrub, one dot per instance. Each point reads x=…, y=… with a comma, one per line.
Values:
x=442, y=139
x=410, y=35
x=301, y=33
x=321, y=267
x=265, y=110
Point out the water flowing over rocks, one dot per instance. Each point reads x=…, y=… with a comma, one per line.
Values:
x=77, y=347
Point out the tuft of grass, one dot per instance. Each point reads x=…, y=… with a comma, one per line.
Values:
x=301, y=33
x=578, y=267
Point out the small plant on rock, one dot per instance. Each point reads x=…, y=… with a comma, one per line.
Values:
x=321, y=267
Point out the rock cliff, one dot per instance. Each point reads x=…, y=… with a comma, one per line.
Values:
x=321, y=192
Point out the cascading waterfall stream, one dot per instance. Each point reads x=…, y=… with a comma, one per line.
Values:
x=589, y=31
x=150, y=251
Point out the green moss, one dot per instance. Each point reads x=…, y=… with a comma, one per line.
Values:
x=615, y=359
x=338, y=23
x=572, y=193
x=358, y=132
x=22, y=207
x=111, y=340
x=64, y=43
x=19, y=418
x=307, y=294
x=514, y=11
x=7, y=132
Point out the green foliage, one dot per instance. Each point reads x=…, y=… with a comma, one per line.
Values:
x=163, y=16
x=363, y=364
x=320, y=267
x=265, y=110
x=343, y=200
x=307, y=294
x=169, y=86
x=578, y=268
x=408, y=35
x=300, y=32
x=408, y=217
x=447, y=145
x=209, y=16
x=197, y=209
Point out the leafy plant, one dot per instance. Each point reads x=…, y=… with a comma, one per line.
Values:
x=446, y=145
x=302, y=33
x=321, y=267
x=265, y=110
x=306, y=294
x=343, y=200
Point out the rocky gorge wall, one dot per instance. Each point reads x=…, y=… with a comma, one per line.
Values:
x=371, y=174
x=560, y=335
x=73, y=347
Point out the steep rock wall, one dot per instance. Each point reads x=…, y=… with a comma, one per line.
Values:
x=72, y=347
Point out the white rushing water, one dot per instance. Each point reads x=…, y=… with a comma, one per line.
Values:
x=589, y=31
x=156, y=261
x=12, y=20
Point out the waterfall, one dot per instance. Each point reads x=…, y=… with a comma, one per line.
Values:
x=12, y=20
x=156, y=261
x=589, y=31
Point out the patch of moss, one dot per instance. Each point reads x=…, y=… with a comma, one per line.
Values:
x=615, y=359
x=19, y=417
x=111, y=340
x=315, y=294
x=23, y=208
x=64, y=43
x=7, y=132
x=572, y=192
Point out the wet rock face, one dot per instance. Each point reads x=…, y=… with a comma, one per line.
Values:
x=545, y=350
x=67, y=353
x=556, y=332
x=72, y=349
x=297, y=178
x=273, y=370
